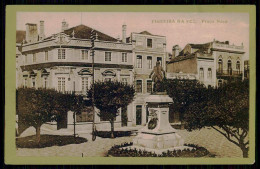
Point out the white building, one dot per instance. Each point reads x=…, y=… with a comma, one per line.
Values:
x=211, y=63
x=62, y=61
x=147, y=50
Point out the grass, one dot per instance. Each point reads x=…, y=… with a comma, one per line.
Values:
x=107, y=134
x=48, y=141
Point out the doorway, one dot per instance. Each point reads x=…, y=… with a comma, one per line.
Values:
x=138, y=115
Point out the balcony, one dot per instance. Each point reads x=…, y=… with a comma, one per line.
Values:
x=228, y=73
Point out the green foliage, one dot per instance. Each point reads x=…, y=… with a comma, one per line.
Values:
x=37, y=106
x=225, y=106
x=110, y=96
x=225, y=109
x=120, y=151
x=107, y=134
x=183, y=93
x=48, y=141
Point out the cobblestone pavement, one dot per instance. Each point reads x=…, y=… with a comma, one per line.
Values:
x=208, y=138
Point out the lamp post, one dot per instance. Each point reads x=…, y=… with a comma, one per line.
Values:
x=92, y=37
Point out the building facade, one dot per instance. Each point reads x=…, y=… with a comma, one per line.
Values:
x=63, y=62
x=211, y=63
x=147, y=50
x=246, y=69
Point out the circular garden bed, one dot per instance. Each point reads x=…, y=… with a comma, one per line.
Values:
x=118, y=151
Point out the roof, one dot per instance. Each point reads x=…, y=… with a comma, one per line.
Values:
x=146, y=33
x=84, y=32
x=20, y=36
x=183, y=57
x=202, y=52
x=200, y=46
x=31, y=24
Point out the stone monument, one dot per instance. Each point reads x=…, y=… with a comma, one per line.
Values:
x=158, y=135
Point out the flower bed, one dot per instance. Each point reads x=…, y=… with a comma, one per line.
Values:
x=48, y=141
x=116, y=151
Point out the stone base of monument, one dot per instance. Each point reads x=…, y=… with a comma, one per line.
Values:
x=158, y=135
x=155, y=141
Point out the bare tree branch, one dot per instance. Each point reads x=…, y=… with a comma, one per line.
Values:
x=226, y=135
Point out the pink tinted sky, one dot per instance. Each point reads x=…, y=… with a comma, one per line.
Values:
x=235, y=28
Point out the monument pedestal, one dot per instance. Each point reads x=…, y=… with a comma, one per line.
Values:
x=158, y=133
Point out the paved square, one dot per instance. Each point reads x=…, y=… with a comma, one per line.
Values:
x=207, y=137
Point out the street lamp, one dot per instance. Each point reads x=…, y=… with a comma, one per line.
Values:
x=92, y=37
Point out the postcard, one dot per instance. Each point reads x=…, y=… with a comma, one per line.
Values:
x=130, y=84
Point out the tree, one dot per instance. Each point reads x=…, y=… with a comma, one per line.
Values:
x=183, y=93
x=109, y=97
x=226, y=110
x=38, y=106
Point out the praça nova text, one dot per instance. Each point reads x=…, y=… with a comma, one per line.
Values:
x=184, y=21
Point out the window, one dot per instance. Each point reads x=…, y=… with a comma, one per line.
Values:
x=33, y=82
x=149, y=43
x=220, y=66
x=139, y=86
x=149, y=62
x=45, y=83
x=84, y=55
x=84, y=83
x=46, y=55
x=61, y=54
x=139, y=61
x=159, y=59
x=34, y=57
x=85, y=115
x=25, y=82
x=124, y=57
x=138, y=115
x=149, y=86
x=61, y=84
x=229, y=67
x=124, y=80
x=25, y=58
x=219, y=83
x=108, y=56
x=238, y=65
x=201, y=73
x=209, y=73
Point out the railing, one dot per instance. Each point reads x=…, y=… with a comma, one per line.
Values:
x=229, y=72
x=227, y=46
x=180, y=76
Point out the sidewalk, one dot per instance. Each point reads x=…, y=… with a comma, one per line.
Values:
x=45, y=129
x=208, y=138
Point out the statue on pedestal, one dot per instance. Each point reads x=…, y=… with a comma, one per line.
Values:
x=158, y=74
x=158, y=135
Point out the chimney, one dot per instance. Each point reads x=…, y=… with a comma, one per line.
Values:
x=64, y=25
x=42, y=35
x=175, y=51
x=124, y=33
x=31, y=33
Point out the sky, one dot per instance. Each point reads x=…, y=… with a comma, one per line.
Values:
x=179, y=28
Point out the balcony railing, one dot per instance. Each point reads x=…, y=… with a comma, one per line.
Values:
x=230, y=72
